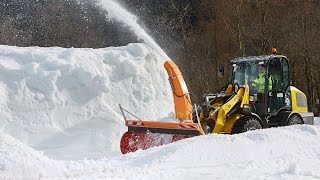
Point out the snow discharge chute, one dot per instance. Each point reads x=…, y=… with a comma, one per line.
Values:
x=143, y=134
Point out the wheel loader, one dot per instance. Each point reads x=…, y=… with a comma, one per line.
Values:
x=238, y=107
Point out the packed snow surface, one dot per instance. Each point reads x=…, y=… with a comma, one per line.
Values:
x=277, y=153
x=60, y=120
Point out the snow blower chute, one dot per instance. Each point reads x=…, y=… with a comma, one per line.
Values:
x=144, y=134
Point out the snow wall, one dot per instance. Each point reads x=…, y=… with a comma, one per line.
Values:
x=65, y=102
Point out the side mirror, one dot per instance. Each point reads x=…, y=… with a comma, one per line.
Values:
x=221, y=71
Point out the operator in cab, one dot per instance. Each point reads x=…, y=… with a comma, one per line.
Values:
x=258, y=84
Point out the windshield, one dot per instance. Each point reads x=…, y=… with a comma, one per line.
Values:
x=245, y=72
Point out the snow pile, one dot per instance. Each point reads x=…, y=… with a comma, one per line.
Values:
x=276, y=153
x=66, y=101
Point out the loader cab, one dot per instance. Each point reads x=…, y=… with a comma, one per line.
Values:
x=268, y=100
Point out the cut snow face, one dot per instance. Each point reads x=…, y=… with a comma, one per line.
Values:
x=65, y=102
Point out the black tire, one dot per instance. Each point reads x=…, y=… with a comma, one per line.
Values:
x=294, y=119
x=246, y=124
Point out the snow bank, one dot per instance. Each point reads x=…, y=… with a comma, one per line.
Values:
x=65, y=102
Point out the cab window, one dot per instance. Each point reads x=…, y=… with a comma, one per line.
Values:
x=275, y=72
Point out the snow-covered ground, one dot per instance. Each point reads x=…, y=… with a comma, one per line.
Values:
x=60, y=120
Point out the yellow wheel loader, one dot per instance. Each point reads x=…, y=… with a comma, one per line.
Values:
x=240, y=106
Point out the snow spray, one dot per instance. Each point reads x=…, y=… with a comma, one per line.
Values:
x=117, y=12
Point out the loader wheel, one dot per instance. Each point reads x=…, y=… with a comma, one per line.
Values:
x=295, y=119
x=246, y=124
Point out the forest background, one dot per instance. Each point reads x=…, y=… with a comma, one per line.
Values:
x=199, y=35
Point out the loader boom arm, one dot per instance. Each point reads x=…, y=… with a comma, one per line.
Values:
x=242, y=95
x=182, y=102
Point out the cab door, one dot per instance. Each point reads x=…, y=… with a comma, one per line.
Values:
x=278, y=72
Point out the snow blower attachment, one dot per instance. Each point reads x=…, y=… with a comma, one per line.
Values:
x=144, y=134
